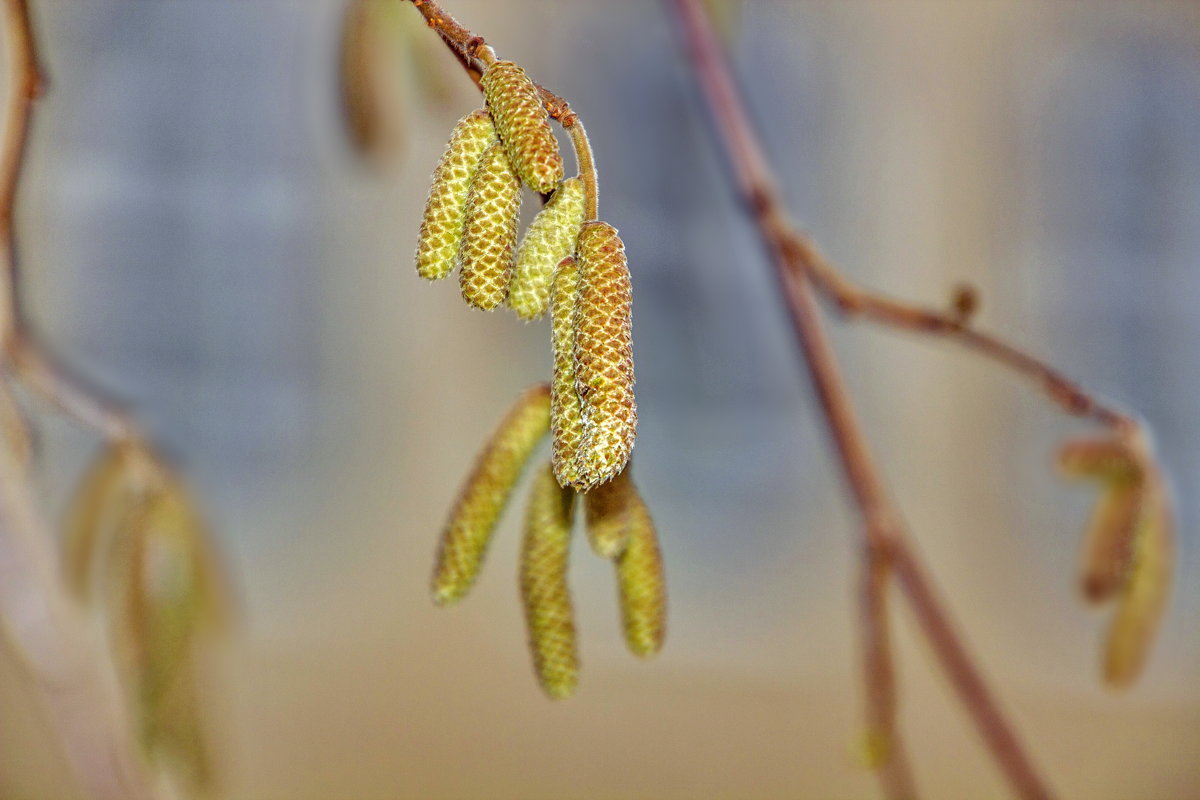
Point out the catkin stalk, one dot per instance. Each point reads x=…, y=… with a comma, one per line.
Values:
x=523, y=125
x=445, y=211
x=489, y=231
x=549, y=239
x=548, y=612
x=604, y=356
x=469, y=530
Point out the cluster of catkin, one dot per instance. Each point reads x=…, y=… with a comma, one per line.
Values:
x=577, y=269
x=137, y=552
x=1128, y=549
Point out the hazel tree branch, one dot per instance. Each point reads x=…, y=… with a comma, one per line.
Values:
x=68, y=669
x=475, y=54
x=883, y=533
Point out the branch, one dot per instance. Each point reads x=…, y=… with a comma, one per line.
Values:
x=884, y=537
x=70, y=674
x=474, y=53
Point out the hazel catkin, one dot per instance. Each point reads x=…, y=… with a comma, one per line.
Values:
x=523, y=125
x=489, y=231
x=445, y=211
x=642, y=584
x=469, y=530
x=549, y=615
x=549, y=239
x=604, y=376
x=566, y=416
x=1144, y=595
x=609, y=508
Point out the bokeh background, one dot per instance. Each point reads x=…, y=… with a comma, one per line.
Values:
x=199, y=240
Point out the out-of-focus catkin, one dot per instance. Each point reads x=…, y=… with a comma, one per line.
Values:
x=548, y=611
x=609, y=508
x=1108, y=543
x=566, y=417
x=469, y=529
x=549, y=239
x=604, y=356
x=489, y=231
x=445, y=211
x=642, y=584
x=1144, y=595
x=523, y=125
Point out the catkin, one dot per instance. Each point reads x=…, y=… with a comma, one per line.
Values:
x=566, y=420
x=489, y=231
x=609, y=508
x=99, y=507
x=641, y=584
x=1108, y=543
x=523, y=125
x=1106, y=555
x=484, y=495
x=1104, y=459
x=547, y=600
x=549, y=239
x=1144, y=597
x=604, y=356
x=445, y=210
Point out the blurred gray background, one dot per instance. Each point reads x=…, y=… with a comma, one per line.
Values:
x=198, y=240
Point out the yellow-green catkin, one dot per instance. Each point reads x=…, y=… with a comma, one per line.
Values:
x=489, y=236
x=609, y=508
x=549, y=239
x=566, y=420
x=1108, y=543
x=1144, y=595
x=1106, y=555
x=604, y=356
x=98, y=508
x=445, y=210
x=642, y=584
x=524, y=125
x=548, y=612
x=485, y=493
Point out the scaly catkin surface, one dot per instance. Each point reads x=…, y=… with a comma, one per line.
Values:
x=566, y=420
x=523, y=125
x=489, y=231
x=485, y=493
x=445, y=210
x=604, y=356
x=609, y=507
x=548, y=612
x=642, y=584
x=550, y=238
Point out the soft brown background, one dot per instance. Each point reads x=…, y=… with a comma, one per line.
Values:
x=198, y=241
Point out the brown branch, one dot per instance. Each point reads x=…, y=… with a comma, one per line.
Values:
x=884, y=537
x=475, y=54
x=69, y=673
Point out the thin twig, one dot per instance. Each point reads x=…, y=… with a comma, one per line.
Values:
x=70, y=675
x=882, y=530
x=475, y=54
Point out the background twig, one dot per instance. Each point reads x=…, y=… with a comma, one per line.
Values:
x=69, y=671
x=884, y=538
